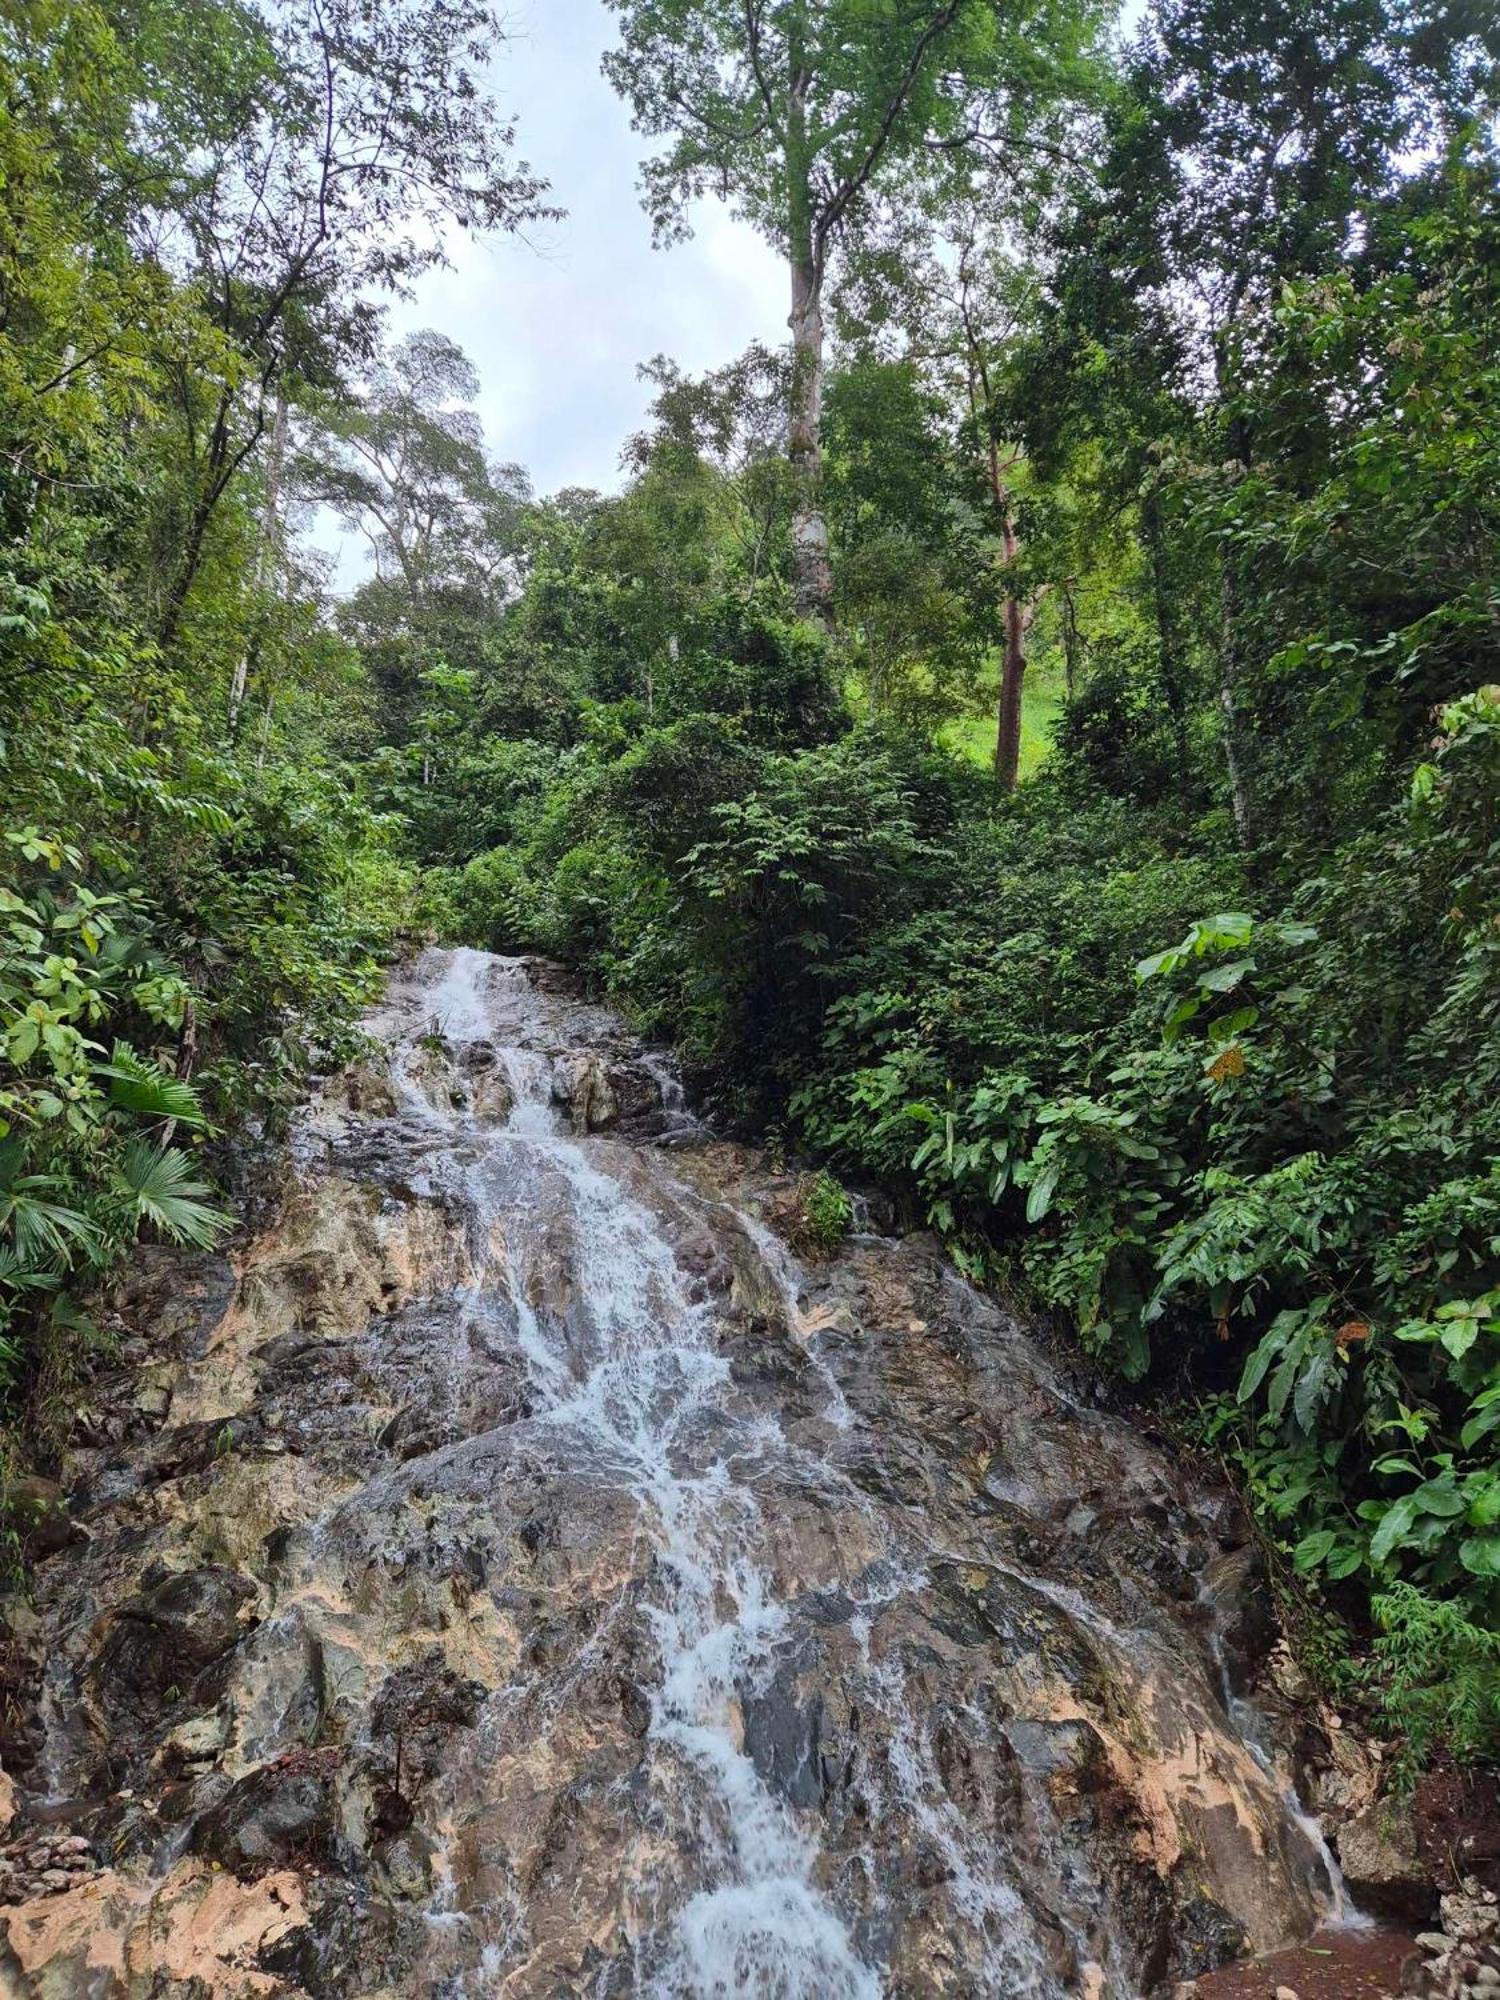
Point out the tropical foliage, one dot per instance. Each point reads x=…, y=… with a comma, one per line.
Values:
x=1142, y=403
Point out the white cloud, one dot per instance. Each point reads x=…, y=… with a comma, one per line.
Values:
x=558, y=327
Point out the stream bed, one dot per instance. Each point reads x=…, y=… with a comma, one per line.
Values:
x=515, y=1574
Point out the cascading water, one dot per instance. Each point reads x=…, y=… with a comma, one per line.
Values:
x=649, y=1615
x=649, y=1381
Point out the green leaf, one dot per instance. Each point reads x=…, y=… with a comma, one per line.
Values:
x=1256, y=1365
x=1040, y=1198
x=157, y=1185
x=1480, y=1426
x=142, y=1087
x=1395, y=1526
x=1313, y=1549
x=1459, y=1335
x=1480, y=1555
x=1224, y=978
x=1439, y=1496
x=1157, y=963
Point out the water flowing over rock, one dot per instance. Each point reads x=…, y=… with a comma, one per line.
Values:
x=528, y=1581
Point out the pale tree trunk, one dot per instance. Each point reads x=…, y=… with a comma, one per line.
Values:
x=812, y=571
x=1012, y=678
x=1017, y=617
x=267, y=560
x=1232, y=617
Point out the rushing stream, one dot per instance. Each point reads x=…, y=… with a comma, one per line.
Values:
x=529, y=1580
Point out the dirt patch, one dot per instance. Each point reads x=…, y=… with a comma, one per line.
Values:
x=1334, y=1965
x=1458, y=1826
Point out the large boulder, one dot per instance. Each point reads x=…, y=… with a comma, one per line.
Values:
x=1382, y=1865
x=277, y=1816
x=581, y=1081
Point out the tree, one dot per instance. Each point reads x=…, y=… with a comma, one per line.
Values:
x=404, y=464
x=731, y=423
x=1244, y=152
x=949, y=281
x=912, y=561
x=797, y=111
x=366, y=134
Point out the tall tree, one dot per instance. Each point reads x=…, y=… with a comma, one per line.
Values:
x=798, y=111
x=365, y=133
x=948, y=279
x=1248, y=144
x=404, y=464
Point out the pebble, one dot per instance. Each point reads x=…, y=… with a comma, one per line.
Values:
x=1286, y=1993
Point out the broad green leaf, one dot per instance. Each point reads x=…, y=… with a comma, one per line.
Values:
x=1480, y=1554
x=1395, y=1526
x=1313, y=1549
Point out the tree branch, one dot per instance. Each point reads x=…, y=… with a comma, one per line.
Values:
x=838, y=206
x=757, y=69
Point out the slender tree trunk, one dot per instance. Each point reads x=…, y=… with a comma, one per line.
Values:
x=1232, y=617
x=1230, y=620
x=1012, y=678
x=182, y=582
x=267, y=558
x=1169, y=651
x=1013, y=656
x=1072, y=641
x=812, y=571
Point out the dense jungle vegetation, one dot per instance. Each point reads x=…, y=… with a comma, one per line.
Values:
x=1033, y=745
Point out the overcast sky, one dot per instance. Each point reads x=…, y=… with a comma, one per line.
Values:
x=558, y=327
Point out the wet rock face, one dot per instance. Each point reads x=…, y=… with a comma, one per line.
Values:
x=165, y=1637
x=533, y=1582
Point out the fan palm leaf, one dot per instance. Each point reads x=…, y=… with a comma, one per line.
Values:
x=155, y=1184
x=140, y=1086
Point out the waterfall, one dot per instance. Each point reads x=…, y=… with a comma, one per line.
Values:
x=639, y=1611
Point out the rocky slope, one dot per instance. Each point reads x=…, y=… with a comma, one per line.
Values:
x=511, y=1574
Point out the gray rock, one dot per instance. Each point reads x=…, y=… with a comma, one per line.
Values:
x=279, y=1814
x=164, y=1638
x=1378, y=1853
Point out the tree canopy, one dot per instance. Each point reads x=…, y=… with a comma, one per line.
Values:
x=1031, y=741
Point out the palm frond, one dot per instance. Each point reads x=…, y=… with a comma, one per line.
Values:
x=15, y=1272
x=156, y=1185
x=140, y=1086
x=44, y=1230
x=66, y=1313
